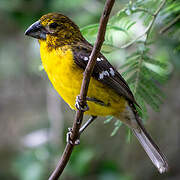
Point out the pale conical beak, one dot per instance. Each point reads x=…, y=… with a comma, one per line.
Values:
x=36, y=30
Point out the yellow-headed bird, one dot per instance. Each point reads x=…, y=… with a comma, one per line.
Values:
x=65, y=54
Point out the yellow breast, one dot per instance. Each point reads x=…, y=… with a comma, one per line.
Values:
x=66, y=78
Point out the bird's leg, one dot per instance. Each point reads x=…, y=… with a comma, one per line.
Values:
x=87, y=123
x=68, y=138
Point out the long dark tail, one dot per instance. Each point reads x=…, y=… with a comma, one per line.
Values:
x=152, y=150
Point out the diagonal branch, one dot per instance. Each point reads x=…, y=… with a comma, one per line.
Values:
x=83, y=93
x=170, y=24
x=148, y=29
x=147, y=33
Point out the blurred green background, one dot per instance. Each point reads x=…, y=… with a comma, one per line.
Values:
x=34, y=119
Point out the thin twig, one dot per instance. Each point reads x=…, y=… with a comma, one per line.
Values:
x=147, y=32
x=154, y=18
x=134, y=40
x=148, y=29
x=144, y=10
x=86, y=79
x=138, y=76
x=170, y=24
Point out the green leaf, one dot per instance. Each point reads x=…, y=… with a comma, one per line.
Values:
x=131, y=68
x=155, y=62
x=131, y=79
x=109, y=27
x=147, y=96
x=143, y=110
x=86, y=29
x=128, y=139
x=154, y=75
x=117, y=125
x=108, y=120
x=130, y=62
x=130, y=25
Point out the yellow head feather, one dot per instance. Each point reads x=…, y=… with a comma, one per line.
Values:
x=62, y=30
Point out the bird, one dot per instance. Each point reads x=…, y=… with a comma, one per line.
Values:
x=64, y=54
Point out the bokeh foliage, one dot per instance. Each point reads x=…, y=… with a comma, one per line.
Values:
x=144, y=71
x=146, y=62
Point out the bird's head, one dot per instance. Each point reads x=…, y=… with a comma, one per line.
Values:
x=56, y=29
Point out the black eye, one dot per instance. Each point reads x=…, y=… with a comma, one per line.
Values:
x=53, y=25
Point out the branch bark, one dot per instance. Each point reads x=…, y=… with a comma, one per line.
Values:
x=84, y=88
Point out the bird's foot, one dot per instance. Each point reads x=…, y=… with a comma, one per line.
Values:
x=68, y=138
x=79, y=106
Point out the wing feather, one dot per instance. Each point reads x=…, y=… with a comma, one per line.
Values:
x=103, y=71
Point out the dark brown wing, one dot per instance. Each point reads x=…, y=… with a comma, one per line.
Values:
x=103, y=71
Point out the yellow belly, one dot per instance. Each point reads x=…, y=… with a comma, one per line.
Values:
x=66, y=78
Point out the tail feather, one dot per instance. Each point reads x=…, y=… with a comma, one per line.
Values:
x=152, y=150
